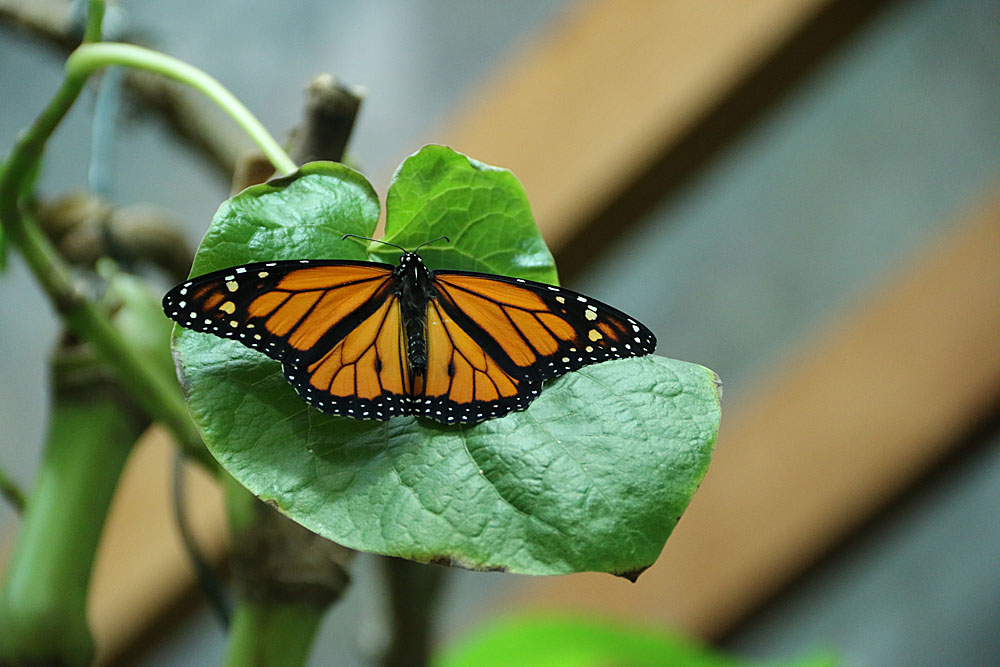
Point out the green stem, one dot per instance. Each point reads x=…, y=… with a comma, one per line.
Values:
x=285, y=577
x=95, y=21
x=44, y=597
x=415, y=591
x=157, y=394
x=270, y=633
x=91, y=57
x=263, y=633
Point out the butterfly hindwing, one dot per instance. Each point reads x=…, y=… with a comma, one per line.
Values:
x=464, y=384
x=365, y=375
x=292, y=311
x=536, y=331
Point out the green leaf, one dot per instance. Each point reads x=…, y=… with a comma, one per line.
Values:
x=575, y=641
x=301, y=216
x=482, y=209
x=592, y=477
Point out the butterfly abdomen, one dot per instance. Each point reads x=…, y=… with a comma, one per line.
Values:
x=416, y=344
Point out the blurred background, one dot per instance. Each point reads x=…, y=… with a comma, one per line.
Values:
x=803, y=195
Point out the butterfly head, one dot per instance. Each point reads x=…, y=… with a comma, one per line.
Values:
x=413, y=277
x=410, y=263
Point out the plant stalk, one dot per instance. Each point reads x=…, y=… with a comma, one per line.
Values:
x=43, y=600
x=414, y=594
x=158, y=394
x=285, y=578
x=266, y=634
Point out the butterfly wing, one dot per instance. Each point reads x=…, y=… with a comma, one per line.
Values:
x=534, y=331
x=463, y=383
x=292, y=311
x=365, y=375
x=334, y=324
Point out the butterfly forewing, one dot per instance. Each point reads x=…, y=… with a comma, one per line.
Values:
x=536, y=331
x=293, y=311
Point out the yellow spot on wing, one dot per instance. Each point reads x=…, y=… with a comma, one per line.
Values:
x=594, y=335
x=590, y=315
x=228, y=307
x=232, y=285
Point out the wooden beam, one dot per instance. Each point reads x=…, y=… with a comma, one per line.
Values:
x=840, y=429
x=601, y=115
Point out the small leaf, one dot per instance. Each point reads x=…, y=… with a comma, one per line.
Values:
x=574, y=641
x=592, y=477
x=482, y=209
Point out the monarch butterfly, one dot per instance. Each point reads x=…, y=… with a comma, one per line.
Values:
x=372, y=341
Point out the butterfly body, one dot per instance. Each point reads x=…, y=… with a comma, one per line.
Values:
x=415, y=286
x=371, y=341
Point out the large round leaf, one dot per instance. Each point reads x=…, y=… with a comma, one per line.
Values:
x=592, y=477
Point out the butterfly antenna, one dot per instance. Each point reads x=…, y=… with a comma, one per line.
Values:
x=432, y=241
x=365, y=238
